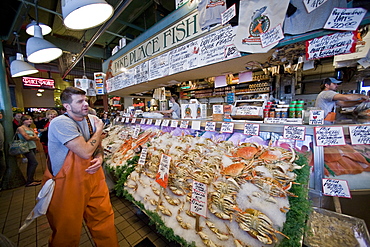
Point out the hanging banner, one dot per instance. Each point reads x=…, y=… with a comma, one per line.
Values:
x=159, y=66
x=345, y=19
x=258, y=17
x=331, y=45
x=228, y=14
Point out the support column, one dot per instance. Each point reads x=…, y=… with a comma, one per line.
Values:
x=13, y=176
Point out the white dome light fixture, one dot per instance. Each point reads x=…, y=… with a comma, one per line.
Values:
x=40, y=50
x=19, y=67
x=85, y=14
x=45, y=29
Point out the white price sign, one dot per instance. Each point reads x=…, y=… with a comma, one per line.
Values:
x=133, y=120
x=149, y=121
x=164, y=167
x=335, y=187
x=174, y=123
x=136, y=131
x=227, y=127
x=195, y=125
x=127, y=120
x=345, y=19
x=360, y=134
x=143, y=154
x=158, y=122
x=198, y=203
x=123, y=120
x=251, y=129
x=312, y=5
x=184, y=124
x=272, y=36
x=294, y=132
x=218, y=109
x=210, y=126
x=316, y=117
x=228, y=14
x=165, y=122
x=142, y=121
x=329, y=136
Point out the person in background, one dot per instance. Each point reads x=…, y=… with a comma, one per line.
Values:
x=26, y=133
x=50, y=115
x=17, y=120
x=80, y=191
x=328, y=98
x=105, y=119
x=175, y=110
x=2, y=158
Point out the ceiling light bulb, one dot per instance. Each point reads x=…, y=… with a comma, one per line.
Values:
x=40, y=50
x=45, y=29
x=19, y=67
x=85, y=14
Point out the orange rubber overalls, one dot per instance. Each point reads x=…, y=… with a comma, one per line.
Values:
x=79, y=195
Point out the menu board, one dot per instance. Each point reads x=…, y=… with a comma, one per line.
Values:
x=142, y=72
x=183, y=58
x=159, y=66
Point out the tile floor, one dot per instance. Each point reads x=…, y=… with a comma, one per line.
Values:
x=15, y=204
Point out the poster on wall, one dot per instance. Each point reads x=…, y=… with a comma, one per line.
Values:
x=258, y=17
x=87, y=85
x=159, y=66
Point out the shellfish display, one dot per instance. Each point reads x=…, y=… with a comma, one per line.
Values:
x=247, y=184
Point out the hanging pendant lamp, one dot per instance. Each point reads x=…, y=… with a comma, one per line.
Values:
x=85, y=14
x=45, y=29
x=19, y=67
x=40, y=50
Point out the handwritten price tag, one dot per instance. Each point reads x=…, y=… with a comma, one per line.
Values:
x=127, y=120
x=294, y=132
x=143, y=155
x=158, y=122
x=174, y=123
x=316, y=117
x=198, y=203
x=227, y=127
x=218, y=109
x=359, y=134
x=312, y=5
x=210, y=126
x=332, y=136
x=142, y=121
x=149, y=121
x=164, y=167
x=251, y=129
x=272, y=36
x=136, y=131
x=165, y=122
x=133, y=120
x=184, y=124
x=345, y=19
x=335, y=187
x=228, y=14
x=123, y=120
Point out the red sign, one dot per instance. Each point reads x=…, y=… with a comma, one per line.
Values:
x=38, y=82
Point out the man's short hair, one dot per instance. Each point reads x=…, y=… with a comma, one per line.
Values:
x=66, y=95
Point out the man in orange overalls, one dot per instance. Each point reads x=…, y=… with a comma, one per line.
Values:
x=80, y=191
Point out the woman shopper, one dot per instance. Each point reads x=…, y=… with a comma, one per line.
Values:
x=50, y=115
x=27, y=134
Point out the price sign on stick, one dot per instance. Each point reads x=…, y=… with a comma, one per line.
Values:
x=133, y=120
x=143, y=154
x=210, y=126
x=227, y=127
x=251, y=129
x=127, y=120
x=329, y=136
x=165, y=122
x=359, y=134
x=123, y=120
x=195, y=125
x=164, y=167
x=136, y=131
x=228, y=14
x=142, y=121
x=184, y=124
x=198, y=203
x=294, y=132
x=174, y=123
x=158, y=122
x=335, y=187
x=149, y=121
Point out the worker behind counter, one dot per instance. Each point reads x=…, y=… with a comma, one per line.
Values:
x=175, y=110
x=328, y=99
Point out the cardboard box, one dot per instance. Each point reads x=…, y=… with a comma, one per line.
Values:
x=193, y=111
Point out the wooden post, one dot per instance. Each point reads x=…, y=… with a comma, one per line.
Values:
x=337, y=206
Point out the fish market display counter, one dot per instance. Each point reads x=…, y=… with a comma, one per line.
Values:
x=218, y=184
